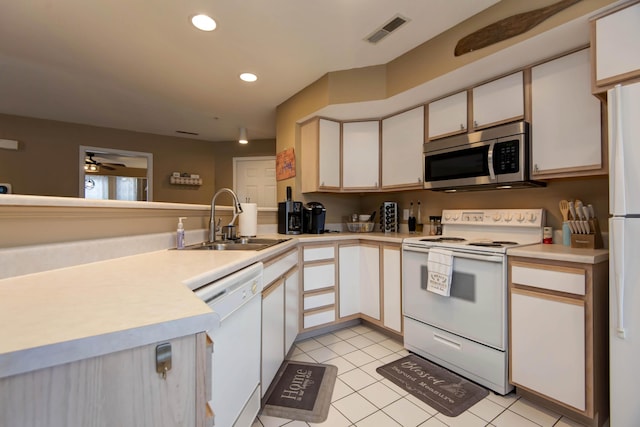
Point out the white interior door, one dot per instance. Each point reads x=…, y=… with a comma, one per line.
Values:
x=254, y=180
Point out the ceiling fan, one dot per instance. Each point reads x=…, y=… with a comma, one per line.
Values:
x=92, y=165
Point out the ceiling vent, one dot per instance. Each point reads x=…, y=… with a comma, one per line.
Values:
x=390, y=26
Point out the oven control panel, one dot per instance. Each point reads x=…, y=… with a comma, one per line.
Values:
x=503, y=217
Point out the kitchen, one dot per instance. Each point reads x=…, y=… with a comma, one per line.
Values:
x=341, y=205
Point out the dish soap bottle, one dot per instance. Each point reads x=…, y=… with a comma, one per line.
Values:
x=180, y=233
x=412, y=220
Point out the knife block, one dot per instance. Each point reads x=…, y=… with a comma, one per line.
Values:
x=588, y=241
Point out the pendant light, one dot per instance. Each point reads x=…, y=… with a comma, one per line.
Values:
x=243, y=136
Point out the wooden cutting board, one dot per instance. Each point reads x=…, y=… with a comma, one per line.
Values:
x=509, y=27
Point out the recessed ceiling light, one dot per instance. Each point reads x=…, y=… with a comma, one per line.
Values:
x=203, y=22
x=248, y=77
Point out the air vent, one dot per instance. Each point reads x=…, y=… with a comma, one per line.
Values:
x=187, y=132
x=386, y=29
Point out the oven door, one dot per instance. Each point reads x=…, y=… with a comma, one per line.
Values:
x=476, y=308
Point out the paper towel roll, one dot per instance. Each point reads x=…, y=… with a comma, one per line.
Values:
x=248, y=220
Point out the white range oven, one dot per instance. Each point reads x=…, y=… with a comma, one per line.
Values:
x=466, y=331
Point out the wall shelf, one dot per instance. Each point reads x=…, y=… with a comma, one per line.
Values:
x=184, y=180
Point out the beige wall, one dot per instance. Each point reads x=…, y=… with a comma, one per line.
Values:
x=426, y=62
x=46, y=162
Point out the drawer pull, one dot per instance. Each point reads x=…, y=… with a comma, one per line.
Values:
x=446, y=341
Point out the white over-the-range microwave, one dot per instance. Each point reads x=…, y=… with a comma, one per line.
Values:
x=491, y=158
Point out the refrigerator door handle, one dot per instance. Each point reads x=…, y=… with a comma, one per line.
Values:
x=618, y=196
x=617, y=245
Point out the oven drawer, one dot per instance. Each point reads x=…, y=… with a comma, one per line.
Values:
x=474, y=361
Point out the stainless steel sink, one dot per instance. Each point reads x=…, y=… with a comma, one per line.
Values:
x=242, y=244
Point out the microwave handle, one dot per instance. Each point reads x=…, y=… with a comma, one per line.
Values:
x=492, y=173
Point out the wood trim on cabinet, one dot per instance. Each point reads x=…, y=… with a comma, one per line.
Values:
x=204, y=348
x=272, y=287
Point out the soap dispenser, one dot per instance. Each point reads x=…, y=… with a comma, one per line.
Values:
x=180, y=233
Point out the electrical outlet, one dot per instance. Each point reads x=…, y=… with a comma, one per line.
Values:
x=405, y=214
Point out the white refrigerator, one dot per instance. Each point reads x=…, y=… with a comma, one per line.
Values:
x=624, y=256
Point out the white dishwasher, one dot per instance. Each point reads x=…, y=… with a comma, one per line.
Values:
x=235, y=299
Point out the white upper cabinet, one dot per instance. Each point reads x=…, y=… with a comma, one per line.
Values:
x=617, y=42
x=448, y=116
x=565, y=119
x=402, y=138
x=320, y=146
x=361, y=155
x=498, y=101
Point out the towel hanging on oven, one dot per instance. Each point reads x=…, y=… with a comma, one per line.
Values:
x=439, y=270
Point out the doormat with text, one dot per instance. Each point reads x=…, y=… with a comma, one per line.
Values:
x=438, y=387
x=301, y=391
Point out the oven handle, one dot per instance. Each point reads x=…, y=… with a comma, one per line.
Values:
x=491, y=258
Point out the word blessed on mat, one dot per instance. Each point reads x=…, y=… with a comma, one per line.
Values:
x=299, y=383
x=408, y=368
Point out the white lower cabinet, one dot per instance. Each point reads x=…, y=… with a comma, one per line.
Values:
x=117, y=389
x=292, y=308
x=318, y=285
x=280, y=313
x=548, y=345
x=391, y=288
x=369, y=283
x=272, y=332
x=558, y=335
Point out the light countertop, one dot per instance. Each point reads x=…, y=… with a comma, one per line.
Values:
x=68, y=314
x=561, y=253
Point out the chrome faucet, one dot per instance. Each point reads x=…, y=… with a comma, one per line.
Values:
x=237, y=210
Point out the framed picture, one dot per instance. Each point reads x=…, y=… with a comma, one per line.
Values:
x=285, y=164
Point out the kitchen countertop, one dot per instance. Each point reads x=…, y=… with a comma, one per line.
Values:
x=69, y=314
x=561, y=253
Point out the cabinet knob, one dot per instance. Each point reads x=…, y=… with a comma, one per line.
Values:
x=535, y=168
x=475, y=124
x=461, y=126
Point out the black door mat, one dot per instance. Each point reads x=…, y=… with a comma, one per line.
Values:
x=301, y=391
x=436, y=386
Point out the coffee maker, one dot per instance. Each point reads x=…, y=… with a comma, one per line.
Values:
x=290, y=220
x=314, y=217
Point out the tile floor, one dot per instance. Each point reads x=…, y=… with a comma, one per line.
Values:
x=363, y=398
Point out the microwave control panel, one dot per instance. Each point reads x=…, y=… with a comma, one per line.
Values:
x=506, y=157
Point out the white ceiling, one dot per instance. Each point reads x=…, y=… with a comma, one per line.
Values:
x=140, y=65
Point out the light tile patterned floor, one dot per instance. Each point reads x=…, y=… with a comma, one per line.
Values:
x=363, y=398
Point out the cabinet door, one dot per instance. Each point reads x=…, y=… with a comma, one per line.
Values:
x=272, y=332
x=402, y=138
x=329, y=157
x=117, y=389
x=349, y=280
x=617, y=43
x=448, y=116
x=320, y=155
x=565, y=129
x=361, y=155
x=498, y=101
x=392, y=309
x=292, y=308
x=370, y=281
x=548, y=346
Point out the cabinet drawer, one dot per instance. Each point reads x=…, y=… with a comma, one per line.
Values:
x=319, y=318
x=319, y=300
x=319, y=276
x=315, y=254
x=562, y=279
x=276, y=269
